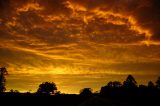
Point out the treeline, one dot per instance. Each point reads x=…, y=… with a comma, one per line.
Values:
x=112, y=89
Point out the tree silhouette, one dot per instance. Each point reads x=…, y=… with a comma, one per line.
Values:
x=47, y=88
x=151, y=84
x=158, y=83
x=110, y=84
x=130, y=82
x=142, y=86
x=86, y=91
x=3, y=72
x=114, y=84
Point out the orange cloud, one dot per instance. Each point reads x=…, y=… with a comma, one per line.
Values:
x=30, y=7
x=79, y=37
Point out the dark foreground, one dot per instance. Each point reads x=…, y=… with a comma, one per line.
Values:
x=9, y=99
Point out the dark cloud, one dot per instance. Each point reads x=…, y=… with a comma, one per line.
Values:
x=146, y=12
x=148, y=16
x=55, y=7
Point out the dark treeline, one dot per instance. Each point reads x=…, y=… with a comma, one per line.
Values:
x=114, y=93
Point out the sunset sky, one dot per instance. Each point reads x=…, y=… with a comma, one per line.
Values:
x=78, y=43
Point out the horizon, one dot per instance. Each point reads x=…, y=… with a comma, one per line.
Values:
x=81, y=42
x=69, y=86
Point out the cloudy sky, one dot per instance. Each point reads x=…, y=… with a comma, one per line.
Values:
x=78, y=43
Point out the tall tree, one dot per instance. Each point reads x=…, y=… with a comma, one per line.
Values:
x=158, y=83
x=151, y=84
x=130, y=82
x=3, y=72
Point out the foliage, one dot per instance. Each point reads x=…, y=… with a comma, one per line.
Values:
x=130, y=82
x=158, y=83
x=3, y=72
x=47, y=88
x=114, y=84
x=86, y=91
x=151, y=84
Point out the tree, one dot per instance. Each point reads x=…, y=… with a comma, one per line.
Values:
x=142, y=86
x=14, y=91
x=117, y=84
x=114, y=84
x=158, y=83
x=86, y=91
x=151, y=84
x=130, y=82
x=3, y=72
x=47, y=88
x=110, y=84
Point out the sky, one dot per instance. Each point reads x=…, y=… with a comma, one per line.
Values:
x=78, y=43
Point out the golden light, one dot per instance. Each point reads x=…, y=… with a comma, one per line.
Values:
x=30, y=7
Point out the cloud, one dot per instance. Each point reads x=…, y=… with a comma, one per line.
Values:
x=80, y=36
